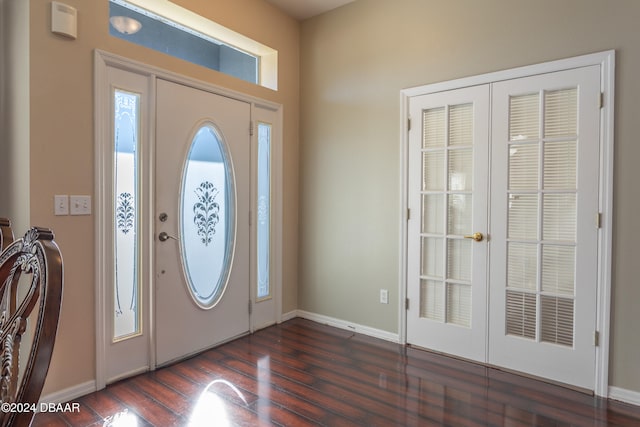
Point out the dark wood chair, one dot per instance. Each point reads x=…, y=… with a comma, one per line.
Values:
x=31, y=281
x=6, y=234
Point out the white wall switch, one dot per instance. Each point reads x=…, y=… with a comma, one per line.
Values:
x=384, y=296
x=80, y=205
x=61, y=204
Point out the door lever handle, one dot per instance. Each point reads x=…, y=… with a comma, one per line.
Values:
x=478, y=237
x=163, y=237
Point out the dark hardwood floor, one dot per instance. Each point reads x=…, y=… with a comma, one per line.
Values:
x=302, y=373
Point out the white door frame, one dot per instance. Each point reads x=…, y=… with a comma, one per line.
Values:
x=103, y=254
x=606, y=61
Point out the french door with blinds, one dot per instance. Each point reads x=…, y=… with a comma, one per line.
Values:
x=503, y=255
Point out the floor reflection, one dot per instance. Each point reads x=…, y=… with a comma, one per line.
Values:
x=121, y=419
x=210, y=408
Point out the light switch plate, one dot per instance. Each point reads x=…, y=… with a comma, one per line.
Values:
x=80, y=205
x=61, y=204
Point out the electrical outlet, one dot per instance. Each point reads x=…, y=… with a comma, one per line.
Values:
x=80, y=205
x=61, y=204
x=384, y=296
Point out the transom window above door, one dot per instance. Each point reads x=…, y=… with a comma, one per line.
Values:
x=173, y=30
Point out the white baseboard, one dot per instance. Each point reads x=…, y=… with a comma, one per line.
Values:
x=70, y=393
x=624, y=395
x=349, y=326
x=290, y=315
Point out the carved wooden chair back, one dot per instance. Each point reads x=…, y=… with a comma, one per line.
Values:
x=31, y=281
x=6, y=234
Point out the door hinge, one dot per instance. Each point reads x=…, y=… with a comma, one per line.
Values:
x=251, y=128
x=408, y=214
x=596, y=338
x=250, y=307
x=250, y=219
x=409, y=124
x=598, y=220
x=601, y=102
x=406, y=304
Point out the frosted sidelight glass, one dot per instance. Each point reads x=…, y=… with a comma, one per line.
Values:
x=126, y=296
x=264, y=210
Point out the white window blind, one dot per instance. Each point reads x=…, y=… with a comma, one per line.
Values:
x=447, y=185
x=542, y=216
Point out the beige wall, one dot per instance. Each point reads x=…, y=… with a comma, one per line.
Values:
x=354, y=62
x=61, y=95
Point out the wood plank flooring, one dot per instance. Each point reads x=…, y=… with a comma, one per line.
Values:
x=301, y=373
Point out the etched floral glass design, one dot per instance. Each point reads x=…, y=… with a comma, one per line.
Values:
x=264, y=196
x=206, y=217
x=126, y=285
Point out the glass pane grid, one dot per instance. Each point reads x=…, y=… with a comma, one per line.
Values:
x=542, y=184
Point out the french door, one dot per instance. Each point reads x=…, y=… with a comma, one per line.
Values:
x=532, y=206
x=448, y=155
x=201, y=220
x=544, y=187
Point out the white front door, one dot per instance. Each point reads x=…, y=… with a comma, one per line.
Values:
x=544, y=228
x=448, y=180
x=201, y=216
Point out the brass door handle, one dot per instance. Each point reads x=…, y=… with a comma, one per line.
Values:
x=478, y=237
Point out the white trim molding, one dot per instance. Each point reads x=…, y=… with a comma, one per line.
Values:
x=623, y=395
x=349, y=326
x=70, y=393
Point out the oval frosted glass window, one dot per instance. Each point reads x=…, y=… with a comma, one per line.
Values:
x=207, y=212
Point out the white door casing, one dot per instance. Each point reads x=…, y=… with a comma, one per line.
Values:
x=184, y=325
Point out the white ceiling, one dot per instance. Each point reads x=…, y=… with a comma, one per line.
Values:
x=303, y=9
